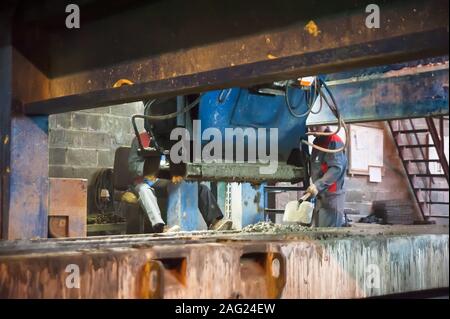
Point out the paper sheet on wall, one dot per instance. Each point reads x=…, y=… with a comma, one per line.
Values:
x=366, y=148
x=375, y=174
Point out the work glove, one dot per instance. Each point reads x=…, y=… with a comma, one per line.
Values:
x=177, y=179
x=312, y=189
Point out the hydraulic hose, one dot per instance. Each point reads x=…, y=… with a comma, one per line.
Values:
x=334, y=109
x=169, y=115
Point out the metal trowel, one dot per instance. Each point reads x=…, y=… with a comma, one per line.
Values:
x=299, y=211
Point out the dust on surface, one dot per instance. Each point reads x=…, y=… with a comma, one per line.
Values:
x=272, y=228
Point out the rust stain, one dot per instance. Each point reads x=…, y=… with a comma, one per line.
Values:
x=275, y=274
x=312, y=28
x=122, y=82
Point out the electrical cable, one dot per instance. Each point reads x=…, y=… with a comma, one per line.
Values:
x=317, y=89
x=289, y=105
x=163, y=117
x=169, y=115
x=327, y=133
x=326, y=150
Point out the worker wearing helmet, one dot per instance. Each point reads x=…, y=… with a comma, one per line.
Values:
x=147, y=187
x=327, y=174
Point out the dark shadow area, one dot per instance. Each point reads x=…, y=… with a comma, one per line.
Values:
x=113, y=32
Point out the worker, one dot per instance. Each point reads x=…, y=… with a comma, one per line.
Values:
x=146, y=186
x=327, y=175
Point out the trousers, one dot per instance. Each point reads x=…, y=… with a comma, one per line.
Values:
x=207, y=203
x=329, y=210
x=149, y=203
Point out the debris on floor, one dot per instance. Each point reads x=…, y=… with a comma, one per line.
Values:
x=394, y=211
x=105, y=219
x=371, y=219
x=269, y=227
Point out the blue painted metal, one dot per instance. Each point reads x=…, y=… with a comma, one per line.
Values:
x=29, y=186
x=390, y=94
x=237, y=107
x=182, y=208
x=252, y=204
x=221, y=195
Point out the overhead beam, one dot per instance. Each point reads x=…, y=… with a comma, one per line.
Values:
x=418, y=91
x=408, y=31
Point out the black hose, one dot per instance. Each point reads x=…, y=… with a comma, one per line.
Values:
x=290, y=108
x=317, y=89
x=333, y=107
x=169, y=115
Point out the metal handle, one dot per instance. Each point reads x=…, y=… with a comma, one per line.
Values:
x=304, y=197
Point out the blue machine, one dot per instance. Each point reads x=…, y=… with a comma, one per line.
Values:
x=239, y=107
x=245, y=108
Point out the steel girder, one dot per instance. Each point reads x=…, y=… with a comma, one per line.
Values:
x=169, y=48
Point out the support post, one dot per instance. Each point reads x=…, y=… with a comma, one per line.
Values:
x=247, y=204
x=182, y=208
x=24, y=147
x=28, y=200
x=5, y=118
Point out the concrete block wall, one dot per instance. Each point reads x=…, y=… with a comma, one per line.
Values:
x=82, y=142
x=394, y=185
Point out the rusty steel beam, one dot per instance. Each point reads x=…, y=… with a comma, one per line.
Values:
x=324, y=263
x=79, y=79
x=29, y=186
x=6, y=98
x=409, y=92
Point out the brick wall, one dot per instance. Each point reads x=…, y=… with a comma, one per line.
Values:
x=394, y=185
x=82, y=142
x=360, y=193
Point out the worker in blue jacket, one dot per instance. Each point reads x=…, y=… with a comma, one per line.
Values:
x=327, y=174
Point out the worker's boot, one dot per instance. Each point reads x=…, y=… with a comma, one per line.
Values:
x=158, y=228
x=173, y=229
x=221, y=224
